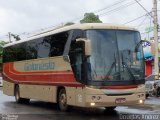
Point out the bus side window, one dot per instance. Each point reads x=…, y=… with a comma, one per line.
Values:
x=57, y=43
x=21, y=51
x=43, y=48
x=10, y=54
x=31, y=50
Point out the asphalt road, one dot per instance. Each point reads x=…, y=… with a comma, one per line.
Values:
x=38, y=110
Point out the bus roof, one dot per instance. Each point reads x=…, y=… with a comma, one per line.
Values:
x=83, y=26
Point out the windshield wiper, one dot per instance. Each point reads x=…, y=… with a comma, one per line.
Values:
x=128, y=69
x=111, y=68
x=94, y=73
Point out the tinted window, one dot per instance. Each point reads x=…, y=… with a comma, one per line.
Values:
x=31, y=50
x=43, y=48
x=76, y=57
x=76, y=54
x=77, y=34
x=9, y=54
x=49, y=46
x=20, y=51
x=57, y=43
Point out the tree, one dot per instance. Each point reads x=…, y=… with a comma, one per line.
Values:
x=2, y=43
x=90, y=18
x=69, y=23
x=16, y=37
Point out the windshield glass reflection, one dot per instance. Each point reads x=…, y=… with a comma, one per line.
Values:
x=113, y=55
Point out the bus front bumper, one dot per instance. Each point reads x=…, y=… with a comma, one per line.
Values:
x=107, y=101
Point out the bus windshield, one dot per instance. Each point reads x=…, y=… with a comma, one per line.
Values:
x=114, y=57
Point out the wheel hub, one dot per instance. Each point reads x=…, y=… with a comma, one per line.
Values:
x=63, y=99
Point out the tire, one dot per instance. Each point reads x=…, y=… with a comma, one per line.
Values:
x=147, y=95
x=158, y=92
x=17, y=96
x=110, y=108
x=62, y=100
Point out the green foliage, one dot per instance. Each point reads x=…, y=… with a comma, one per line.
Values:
x=2, y=43
x=16, y=37
x=69, y=23
x=90, y=18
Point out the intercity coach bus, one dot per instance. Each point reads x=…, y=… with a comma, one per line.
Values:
x=84, y=65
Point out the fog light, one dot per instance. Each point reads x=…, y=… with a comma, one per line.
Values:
x=140, y=101
x=92, y=104
x=99, y=97
x=93, y=97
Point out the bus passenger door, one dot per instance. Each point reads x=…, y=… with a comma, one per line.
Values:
x=76, y=54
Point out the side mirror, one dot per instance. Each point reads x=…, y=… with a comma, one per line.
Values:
x=87, y=45
x=142, y=41
x=66, y=58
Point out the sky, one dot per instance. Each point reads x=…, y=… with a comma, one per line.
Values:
x=28, y=16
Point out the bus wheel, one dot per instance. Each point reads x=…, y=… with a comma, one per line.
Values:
x=110, y=108
x=62, y=100
x=17, y=96
x=158, y=92
x=147, y=95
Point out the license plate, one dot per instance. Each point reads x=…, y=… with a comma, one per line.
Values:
x=120, y=100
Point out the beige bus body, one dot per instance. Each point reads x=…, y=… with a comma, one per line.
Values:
x=82, y=97
x=85, y=96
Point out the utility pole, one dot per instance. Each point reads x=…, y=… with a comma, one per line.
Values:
x=155, y=22
x=9, y=36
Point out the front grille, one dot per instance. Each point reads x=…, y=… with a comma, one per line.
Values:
x=119, y=94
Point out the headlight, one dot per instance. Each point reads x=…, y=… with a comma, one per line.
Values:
x=141, y=101
x=92, y=104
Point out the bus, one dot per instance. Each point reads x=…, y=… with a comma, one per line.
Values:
x=83, y=65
